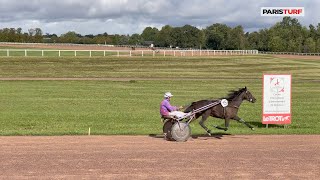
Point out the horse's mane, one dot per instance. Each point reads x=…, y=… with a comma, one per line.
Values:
x=234, y=93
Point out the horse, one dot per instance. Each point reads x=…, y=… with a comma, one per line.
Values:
x=227, y=113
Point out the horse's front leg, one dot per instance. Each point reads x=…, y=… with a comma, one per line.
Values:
x=203, y=119
x=243, y=122
x=226, y=125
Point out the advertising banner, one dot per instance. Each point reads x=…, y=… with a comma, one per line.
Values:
x=276, y=99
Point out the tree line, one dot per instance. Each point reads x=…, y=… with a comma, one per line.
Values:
x=288, y=35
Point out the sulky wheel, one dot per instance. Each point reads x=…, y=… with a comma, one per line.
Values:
x=180, y=131
x=167, y=130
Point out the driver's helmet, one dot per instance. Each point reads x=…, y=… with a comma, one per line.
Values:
x=167, y=94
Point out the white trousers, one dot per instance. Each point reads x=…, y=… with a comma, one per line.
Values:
x=177, y=114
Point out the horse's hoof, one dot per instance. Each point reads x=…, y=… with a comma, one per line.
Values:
x=252, y=129
x=209, y=134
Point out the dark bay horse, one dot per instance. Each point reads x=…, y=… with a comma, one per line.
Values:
x=227, y=113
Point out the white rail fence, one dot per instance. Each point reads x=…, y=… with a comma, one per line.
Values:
x=290, y=53
x=119, y=53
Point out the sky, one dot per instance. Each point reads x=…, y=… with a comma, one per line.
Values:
x=133, y=16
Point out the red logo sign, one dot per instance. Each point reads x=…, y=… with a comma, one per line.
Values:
x=276, y=119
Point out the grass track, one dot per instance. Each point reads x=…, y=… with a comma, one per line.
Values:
x=114, y=107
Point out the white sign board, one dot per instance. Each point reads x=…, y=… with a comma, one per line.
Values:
x=276, y=99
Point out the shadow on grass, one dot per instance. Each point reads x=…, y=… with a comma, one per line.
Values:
x=260, y=125
x=213, y=135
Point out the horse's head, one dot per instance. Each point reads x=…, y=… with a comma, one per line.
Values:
x=248, y=96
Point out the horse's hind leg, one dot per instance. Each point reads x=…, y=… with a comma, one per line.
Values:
x=203, y=119
x=244, y=122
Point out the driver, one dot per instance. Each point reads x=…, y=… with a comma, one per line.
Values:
x=168, y=111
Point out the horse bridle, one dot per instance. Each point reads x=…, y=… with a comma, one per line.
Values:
x=250, y=99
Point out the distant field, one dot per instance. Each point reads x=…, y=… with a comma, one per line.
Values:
x=74, y=50
x=117, y=106
x=55, y=53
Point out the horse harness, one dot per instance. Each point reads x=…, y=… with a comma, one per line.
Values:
x=224, y=110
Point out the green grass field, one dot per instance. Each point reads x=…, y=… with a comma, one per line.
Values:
x=132, y=107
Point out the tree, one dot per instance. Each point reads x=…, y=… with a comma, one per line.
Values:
x=318, y=46
x=253, y=40
x=135, y=39
x=19, y=35
x=236, y=38
x=216, y=36
x=313, y=32
x=191, y=37
x=104, y=38
x=98, y=39
x=38, y=35
x=277, y=44
x=290, y=31
x=87, y=40
x=285, y=35
x=310, y=45
x=176, y=36
x=69, y=37
x=149, y=34
x=50, y=38
x=164, y=38
x=122, y=39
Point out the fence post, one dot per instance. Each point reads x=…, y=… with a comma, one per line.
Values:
x=42, y=53
x=118, y=53
x=59, y=53
x=25, y=52
x=90, y=53
x=142, y=53
x=8, y=52
x=164, y=53
x=130, y=54
x=104, y=53
x=75, y=53
x=174, y=52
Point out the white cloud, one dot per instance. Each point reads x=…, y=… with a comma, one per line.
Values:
x=128, y=16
